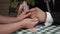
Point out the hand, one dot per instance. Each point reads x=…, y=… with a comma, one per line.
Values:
x=29, y=23
x=38, y=13
x=24, y=15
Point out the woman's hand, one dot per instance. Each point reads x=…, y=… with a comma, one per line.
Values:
x=29, y=23
x=24, y=15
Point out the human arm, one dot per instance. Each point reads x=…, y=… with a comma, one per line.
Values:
x=10, y=28
x=44, y=17
x=5, y=19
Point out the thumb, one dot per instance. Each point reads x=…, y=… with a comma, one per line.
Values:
x=33, y=9
x=34, y=19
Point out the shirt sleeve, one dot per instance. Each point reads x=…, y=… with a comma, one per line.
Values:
x=49, y=20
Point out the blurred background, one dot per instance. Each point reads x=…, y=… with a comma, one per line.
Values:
x=4, y=7
x=10, y=7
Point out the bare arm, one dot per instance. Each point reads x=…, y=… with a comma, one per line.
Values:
x=5, y=19
x=10, y=28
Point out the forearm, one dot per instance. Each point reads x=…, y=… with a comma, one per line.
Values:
x=5, y=19
x=10, y=28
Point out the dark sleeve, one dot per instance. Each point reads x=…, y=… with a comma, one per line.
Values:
x=41, y=4
x=56, y=18
x=56, y=13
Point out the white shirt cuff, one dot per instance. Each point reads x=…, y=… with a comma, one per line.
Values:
x=49, y=20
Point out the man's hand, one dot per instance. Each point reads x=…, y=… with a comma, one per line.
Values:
x=29, y=23
x=38, y=13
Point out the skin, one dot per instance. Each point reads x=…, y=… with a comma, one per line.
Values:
x=26, y=23
x=11, y=24
x=10, y=28
x=16, y=23
x=38, y=13
x=6, y=19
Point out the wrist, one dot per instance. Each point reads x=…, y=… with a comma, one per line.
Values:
x=45, y=17
x=42, y=17
x=20, y=24
x=18, y=19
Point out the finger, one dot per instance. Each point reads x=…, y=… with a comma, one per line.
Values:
x=33, y=15
x=34, y=23
x=25, y=12
x=34, y=19
x=33, y=9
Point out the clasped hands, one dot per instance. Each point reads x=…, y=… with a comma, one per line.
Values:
x=36, y=15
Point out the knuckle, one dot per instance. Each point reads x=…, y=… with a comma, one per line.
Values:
x=36, y=7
